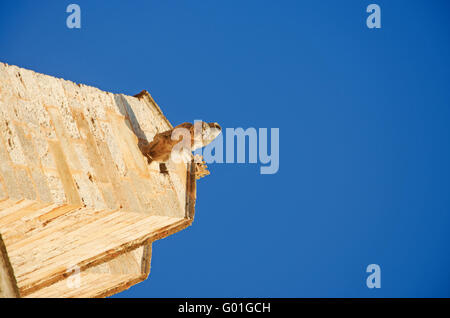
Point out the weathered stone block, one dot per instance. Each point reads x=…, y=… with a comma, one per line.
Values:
x=78, y=200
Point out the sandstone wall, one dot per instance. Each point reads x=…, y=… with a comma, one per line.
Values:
x=75, y=189
x=66, y=143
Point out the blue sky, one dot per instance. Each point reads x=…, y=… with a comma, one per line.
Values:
x=364, y=134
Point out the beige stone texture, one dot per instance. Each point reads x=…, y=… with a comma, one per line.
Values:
x=79, y=204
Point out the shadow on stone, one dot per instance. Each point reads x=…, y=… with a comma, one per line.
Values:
x=127, y=111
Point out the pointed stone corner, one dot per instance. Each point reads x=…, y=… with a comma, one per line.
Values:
x=79, y=204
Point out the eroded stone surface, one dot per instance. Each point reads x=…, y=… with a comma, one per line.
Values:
x=75, y=188
x=62, y=142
